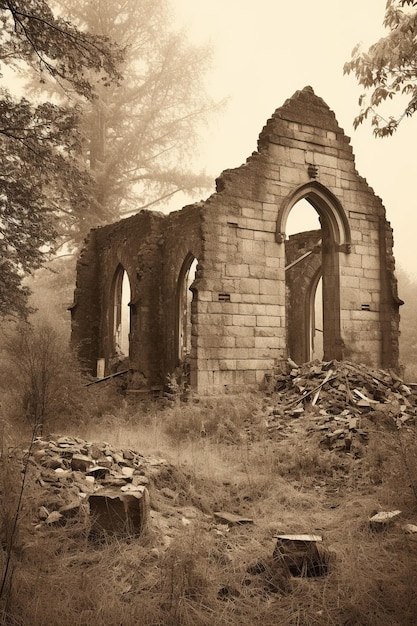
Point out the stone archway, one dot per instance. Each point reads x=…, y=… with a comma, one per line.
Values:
x=120, y=314
x=184, y=298
x=334, y=238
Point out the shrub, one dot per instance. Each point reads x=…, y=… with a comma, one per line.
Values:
x=46, y=380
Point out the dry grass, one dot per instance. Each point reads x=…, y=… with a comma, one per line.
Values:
x=209, y=574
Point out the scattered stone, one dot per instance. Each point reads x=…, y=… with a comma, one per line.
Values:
x=52, y=462
x=79, y=471
x=231, y=519
x=43, y=513
x=61, y=472
x=129, y=455
x=411, y=529
x=337, y=394
x=81, y=463
x=53, y=518
x=98, y=471
x=381, y=520
x=132, y=488
x=138, y=479
x=115, y=479
x=95, y=452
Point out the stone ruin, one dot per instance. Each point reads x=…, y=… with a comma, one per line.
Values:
x=218, y=291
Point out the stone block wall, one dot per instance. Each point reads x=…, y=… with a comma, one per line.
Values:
x=240, y=326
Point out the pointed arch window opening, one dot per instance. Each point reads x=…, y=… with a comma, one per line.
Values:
x=302, y=218
x=186, y=294
x=322, y=325
x=121, y=313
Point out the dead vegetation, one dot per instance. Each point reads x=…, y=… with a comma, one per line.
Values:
x=254, y=457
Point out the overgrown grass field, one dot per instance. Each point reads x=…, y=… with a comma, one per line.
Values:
x=187, y=568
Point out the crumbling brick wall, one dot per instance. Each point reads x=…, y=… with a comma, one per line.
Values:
x=240, y=311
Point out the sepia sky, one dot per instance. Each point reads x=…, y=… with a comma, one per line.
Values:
x=264, y=51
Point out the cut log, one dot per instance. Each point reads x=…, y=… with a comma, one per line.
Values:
x=302, y=555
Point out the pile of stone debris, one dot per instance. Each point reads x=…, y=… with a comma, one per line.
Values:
x=80, y=478
x=338, y=395
x=117, y=492
x=109, y=488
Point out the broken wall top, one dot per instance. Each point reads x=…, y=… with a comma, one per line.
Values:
x=304, y=122
x=304, y=108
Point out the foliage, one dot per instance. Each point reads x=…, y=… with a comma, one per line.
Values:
x=32, y=33
x=389, y=68
x=46, y=381
x=139, y=134
x=52, y=293
x=36, y=179
x=41, y=180
x=11, y=508
x=191, y=421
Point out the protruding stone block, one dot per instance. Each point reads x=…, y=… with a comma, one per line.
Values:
x=119, y=513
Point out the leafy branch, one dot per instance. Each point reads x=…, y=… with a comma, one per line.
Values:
x=388, y=69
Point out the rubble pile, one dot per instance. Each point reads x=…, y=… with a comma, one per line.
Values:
x=338, y=394
x=119, y=492
x=80, y=477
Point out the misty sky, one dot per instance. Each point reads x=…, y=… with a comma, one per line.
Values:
x=268, y=49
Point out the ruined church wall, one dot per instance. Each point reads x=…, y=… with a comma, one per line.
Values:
x=182, y=243
x=136, y=245
x=239, y=318
x=152, y=249
x=244, y=259
x=241, y=300
x=85, y=311
x=309, y=135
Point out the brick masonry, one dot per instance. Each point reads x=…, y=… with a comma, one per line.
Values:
x=247, y=312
